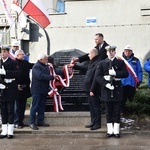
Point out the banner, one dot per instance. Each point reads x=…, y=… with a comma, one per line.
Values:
x=37, y=11
x=22, y=18
x=7, y=13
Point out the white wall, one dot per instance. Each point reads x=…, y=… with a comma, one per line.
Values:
x=120, y=21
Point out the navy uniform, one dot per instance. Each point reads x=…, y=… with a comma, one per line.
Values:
x=9, y=72
x=108, y=74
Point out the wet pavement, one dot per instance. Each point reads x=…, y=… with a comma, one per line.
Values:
x=74, y=138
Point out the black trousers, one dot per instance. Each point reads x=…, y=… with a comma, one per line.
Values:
x=128, y=94
x=20, y=106
x=7, y=112
x=95, y=109
x=113, y=112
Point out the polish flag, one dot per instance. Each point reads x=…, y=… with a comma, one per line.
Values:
x=22, y=18
x=37, y=11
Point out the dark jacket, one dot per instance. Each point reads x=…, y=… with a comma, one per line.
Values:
x=10, y=93
x=90, y=72
x=121, y=72
x=102, y=53
x=147, y=69
x=40, y=78
x=24, y=79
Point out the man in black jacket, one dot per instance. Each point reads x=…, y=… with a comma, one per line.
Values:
x=23, y=88
x=100, y=46
x=93, y=100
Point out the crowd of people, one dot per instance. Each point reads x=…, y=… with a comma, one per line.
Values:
x=109, y=80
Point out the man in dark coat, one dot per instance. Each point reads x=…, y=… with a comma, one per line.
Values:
x=39, y=89
x=108, y=74
x=9, y=73
x=100, y=46
x=23, y=88
x=94, y=99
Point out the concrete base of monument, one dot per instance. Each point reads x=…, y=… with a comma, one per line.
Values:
x=67, y=118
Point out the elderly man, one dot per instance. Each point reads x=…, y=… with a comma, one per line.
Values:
x=39, y=89
x=108, y=74
x=23, y=88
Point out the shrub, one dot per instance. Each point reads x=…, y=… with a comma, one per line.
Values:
x=141, y=103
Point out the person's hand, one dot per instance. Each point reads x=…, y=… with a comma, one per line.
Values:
x=70, y=70
x=56, y=77
x=2, y=71
x=107, y=77
x=19, y=87
x=70, y=65
x=2, y=86
x=91, y=94
x=109, y=86
x=137, y=84
x=112, y=72
x=75, y=59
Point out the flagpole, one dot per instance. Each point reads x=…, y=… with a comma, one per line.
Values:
x=46, y=34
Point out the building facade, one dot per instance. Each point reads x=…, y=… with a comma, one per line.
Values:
x=122, y=22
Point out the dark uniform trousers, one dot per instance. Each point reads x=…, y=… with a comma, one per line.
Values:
x=113, y=112
x=7, y=103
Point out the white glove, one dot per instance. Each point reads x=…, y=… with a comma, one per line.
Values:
x=112, y=72
x=109, y=86
x=107, y=77
x=2, y=71
x=2, y=86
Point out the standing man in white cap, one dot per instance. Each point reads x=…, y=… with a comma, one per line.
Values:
x=108, y=75
x=134, y=79
x=16, y=46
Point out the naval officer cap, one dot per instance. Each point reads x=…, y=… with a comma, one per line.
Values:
x=110, y=47
x=5, y=47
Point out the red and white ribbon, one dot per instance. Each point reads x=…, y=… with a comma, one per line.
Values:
x=63, y=82
x=130, y=69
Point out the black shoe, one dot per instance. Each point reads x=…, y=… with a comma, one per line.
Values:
x=117, y=135
x=90, y=125
x=2, y=136
x=34, y=127
x=43, y=124
x=95, y=127
x=10, y=136
x=23, y=124
x=109, y=135
x=18, y=126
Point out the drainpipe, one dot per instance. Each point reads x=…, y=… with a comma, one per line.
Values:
x=48, y=42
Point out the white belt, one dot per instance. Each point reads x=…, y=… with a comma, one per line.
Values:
x=9, y=80
x=117, y=79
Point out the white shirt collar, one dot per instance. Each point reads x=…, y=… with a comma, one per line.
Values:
x=4, y=59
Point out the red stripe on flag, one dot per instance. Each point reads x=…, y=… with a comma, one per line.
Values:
x=37, y=14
